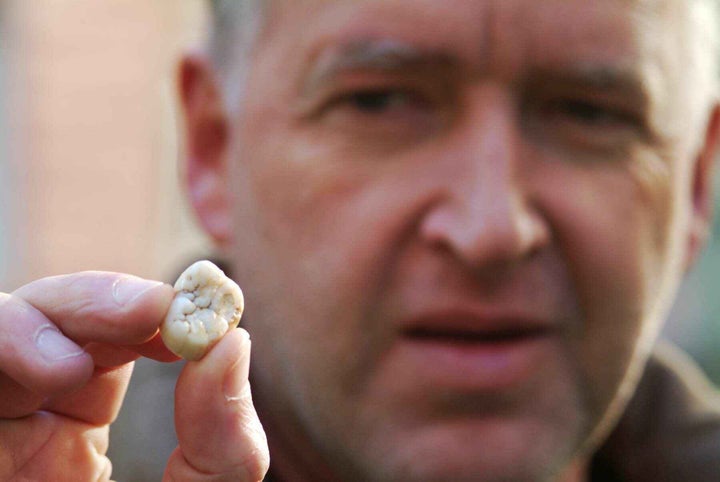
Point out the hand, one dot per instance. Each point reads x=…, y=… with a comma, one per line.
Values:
x=67, y=344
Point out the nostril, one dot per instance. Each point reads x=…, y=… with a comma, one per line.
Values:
x=491, y=234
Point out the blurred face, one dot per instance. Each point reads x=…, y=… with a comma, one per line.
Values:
x=457, y=225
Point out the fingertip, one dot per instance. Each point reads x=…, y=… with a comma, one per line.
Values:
x=230, y=354
x=155, y=292
x=234, y=344
x=235, y=383
x=127, y=288
x=149, y=307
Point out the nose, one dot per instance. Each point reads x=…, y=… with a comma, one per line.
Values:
x=485, y=215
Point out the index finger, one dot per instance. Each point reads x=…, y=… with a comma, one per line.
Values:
x=99, y=306
x=46, y=327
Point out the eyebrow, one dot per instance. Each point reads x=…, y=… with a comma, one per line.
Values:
x=608, y=79
x=382, y=55
x=392, y=55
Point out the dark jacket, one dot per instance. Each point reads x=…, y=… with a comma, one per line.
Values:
x=670, y=431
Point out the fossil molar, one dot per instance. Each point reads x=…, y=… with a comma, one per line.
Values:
x=206, y=305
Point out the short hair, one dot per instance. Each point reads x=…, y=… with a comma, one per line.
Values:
x=234, y=27
x=236, y=24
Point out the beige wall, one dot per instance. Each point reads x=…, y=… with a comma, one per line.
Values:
x=88, y=176
x=11, y=209
x=90, y=168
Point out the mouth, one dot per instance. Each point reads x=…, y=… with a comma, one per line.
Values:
x=470, y=337
x=468, y=351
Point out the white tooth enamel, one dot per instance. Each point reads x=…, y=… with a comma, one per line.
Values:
x=206, y=305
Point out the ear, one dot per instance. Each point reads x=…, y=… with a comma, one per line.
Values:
x=702, y=189
x=206, y=146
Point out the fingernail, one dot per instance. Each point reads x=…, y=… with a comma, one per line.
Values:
x=236, y=380
x=127, y=289
x=53, y=346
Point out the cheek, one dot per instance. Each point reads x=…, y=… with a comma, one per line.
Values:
x=318, y=230
x=615, y=226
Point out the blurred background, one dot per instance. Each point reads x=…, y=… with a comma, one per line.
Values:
x=88, y=168
x=89, y=179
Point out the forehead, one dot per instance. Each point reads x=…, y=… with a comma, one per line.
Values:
x=486, y=30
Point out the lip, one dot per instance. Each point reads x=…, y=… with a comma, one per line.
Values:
x=481, y=322
x=471, y=351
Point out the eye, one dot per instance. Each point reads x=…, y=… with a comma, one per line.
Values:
x=381, y=113
x=587, y=123
x=378, y=101
x=590, y=113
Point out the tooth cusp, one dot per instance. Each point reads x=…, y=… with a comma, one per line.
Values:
x=207, y=305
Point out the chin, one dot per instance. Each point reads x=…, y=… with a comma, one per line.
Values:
x=477, y=451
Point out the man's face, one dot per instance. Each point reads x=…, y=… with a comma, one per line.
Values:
x=458, y=223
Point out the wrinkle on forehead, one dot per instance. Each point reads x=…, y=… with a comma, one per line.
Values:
x=374, y=37
x=477, y=27
x=660, y=40
x=383, y=54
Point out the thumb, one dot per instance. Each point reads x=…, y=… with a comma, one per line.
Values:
x=219, y=433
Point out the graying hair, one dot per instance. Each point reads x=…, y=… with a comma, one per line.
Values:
x=236, y=24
